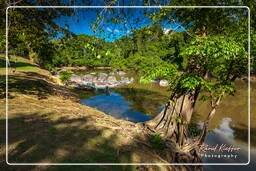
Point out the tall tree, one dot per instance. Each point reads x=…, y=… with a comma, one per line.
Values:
x=214, y=58
x=30, y=29
x=218, y=49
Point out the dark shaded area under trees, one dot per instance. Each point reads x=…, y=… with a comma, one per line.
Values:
x=209, y=61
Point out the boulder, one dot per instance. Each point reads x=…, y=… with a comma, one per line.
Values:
x=131, y=79
x=111, y=79
x=121, y=73
x=163, y=83
x=94, y=79
x=112, y=73
x=88, y=77
x=125, y=80
x=75, y=78
x=102, y=76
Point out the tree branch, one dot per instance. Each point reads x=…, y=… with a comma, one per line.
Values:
x=208, y=120
x=13, y=3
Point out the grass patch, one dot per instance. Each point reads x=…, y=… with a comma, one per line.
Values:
x=46, y=125
x=157, y=141
x=18, y=64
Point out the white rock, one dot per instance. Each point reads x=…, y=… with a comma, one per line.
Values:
x=132, y=79
x=102, y=76
x=121, y=73
x=88, y=77
x=163, y=83
x=75, y=78
x=112, y=73
x=111, y=79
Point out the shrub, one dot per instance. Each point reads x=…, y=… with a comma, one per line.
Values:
x=65, y=75
x=157, y=141
x=194, y=130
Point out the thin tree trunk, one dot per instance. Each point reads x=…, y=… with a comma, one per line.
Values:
x=208, y=120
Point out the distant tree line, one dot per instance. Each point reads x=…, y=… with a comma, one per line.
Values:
x=145, y=47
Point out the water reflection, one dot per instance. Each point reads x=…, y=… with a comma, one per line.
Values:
x=114, y=104
x=223, y=136
x=224, y=128
x=144, y=101
x=139, y=103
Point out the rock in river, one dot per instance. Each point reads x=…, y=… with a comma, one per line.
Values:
x=121, y=73
x=111, y=79
x=75, y=78
x=88, y=77
x=163, y=83
x=112, y=73
x=102, y=76
x=125, y=80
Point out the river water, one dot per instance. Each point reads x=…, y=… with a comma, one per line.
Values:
x=141, y=102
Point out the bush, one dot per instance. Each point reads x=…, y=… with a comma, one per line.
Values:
x=157, y=141
x=194, y=130
x=65, y=75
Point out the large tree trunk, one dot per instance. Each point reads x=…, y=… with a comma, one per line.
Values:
x=172, y=120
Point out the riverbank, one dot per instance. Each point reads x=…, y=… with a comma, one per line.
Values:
x=47, y=125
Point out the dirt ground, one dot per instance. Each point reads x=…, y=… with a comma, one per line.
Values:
x=46, y=124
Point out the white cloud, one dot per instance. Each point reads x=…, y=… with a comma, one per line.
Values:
x=109, y=29
x=117, y=31
x=166, y=30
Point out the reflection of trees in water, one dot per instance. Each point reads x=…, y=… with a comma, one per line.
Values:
x=236, y=108
x=144, y=101
x=241, y=134
x=149, y=101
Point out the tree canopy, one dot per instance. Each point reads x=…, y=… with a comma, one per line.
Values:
x=204, y=57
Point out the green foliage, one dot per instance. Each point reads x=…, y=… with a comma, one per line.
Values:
x=180, y=120
x=204, y=20
x=253, y=65
x=222, y=58
x=157, y=141
x=145, y=49
x=118, y=63
x=163, y=70
x=194, y=130
x=214, y=43
x=81, y=50
x=190, y=82
x=30, y=30
x=211, y=131
x=65, y=75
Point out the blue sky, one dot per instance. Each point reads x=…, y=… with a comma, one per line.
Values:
x=81, y=21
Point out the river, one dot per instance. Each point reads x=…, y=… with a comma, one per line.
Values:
x=141, y=102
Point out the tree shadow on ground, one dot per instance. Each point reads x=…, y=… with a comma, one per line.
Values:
x=32, y=83
x=15, y=64
x=35, y=138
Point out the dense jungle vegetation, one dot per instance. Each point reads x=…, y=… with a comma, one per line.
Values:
x=204, y=58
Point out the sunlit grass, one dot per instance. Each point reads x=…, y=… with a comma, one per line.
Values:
x=17, y=64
